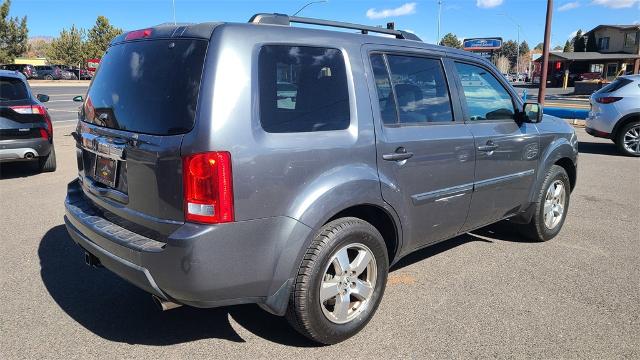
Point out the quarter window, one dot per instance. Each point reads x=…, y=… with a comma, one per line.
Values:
x=486, y=98
x=302, y=89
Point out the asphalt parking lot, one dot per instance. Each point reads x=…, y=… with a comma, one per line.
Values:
x=486, y=294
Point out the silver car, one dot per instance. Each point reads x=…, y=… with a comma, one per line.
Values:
x=226, y=163
x=615, y=114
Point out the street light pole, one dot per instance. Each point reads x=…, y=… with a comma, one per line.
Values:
x=517, y=45
x=545, y=53
x=439, y=16
x=174, y=11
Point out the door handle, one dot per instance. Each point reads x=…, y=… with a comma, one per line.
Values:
x=489, y=147
x=400, y=154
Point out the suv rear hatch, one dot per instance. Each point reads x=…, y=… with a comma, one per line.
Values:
x=140, y=104
x=20, y=116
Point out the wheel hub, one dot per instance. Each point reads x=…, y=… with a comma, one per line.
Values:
x=348, y=283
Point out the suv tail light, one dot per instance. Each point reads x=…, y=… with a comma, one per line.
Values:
x=37, y=109
x=608, y=99
x=208, y=187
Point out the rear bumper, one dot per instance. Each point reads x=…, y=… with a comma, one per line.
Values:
x=23, y=149
x=199, y=265
x=597, y=133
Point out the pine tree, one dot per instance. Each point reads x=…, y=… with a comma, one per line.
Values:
x=451, y=40
x=13, y=34
x=99, y=37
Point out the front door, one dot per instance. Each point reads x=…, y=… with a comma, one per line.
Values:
x=506, y=150
x=425, y=151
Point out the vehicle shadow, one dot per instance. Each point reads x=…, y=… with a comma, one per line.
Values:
x=601, y=148
x=117, y=311
x=18, y=169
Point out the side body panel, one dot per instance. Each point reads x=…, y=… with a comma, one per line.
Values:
x=431, y=190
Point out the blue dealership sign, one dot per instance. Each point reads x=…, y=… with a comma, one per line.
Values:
x=482, y=44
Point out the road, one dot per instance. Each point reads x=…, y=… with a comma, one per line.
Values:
x=486, y=294
x=60, y=105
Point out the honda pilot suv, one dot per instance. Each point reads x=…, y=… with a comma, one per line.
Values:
x=226, y=163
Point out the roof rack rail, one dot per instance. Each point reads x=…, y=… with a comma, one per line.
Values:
x=286, y=20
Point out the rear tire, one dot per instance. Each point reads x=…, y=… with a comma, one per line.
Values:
x=552, y=204
x=631, y=134
x=358, y=289
x=48, y=77
x=48, y=163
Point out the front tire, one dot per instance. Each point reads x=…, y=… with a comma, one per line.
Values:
x=340, y=282
x=628, y=139
x=48, y=77
x=551, y=206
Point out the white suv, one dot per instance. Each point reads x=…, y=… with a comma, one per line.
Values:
x=615, y=114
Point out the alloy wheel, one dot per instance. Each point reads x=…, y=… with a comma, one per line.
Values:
x=348, y=283
x=554, y=203
x=631, y=140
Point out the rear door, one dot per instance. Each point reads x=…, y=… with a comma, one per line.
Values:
x=425, y=151
x=140, y=103
x=506, y=150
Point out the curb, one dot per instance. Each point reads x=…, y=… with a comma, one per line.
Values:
x=576, y=122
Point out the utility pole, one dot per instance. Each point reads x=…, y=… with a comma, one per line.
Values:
x=439, y=17
x=545, y=53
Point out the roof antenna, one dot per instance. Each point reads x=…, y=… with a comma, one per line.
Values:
x=307, y=4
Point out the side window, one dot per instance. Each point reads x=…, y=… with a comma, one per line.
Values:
x=486, y=98
x=386, y=101
x=302, y=89
x=420, y=90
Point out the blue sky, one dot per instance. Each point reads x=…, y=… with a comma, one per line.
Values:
x=465, y=18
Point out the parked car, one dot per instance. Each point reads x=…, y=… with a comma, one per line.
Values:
x=615, y=114
x=28, y=71
x=590, y=76
x=78, y=73
x=224, y=195
x=26, y=132
x=48, y=72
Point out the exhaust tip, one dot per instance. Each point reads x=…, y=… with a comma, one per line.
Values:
x=91, y=260
x=164, y=305
x=29, y=155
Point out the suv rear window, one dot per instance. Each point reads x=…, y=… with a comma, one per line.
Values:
x=12, y=89
x=148, y=86
x=302, y=89
x=617, y=84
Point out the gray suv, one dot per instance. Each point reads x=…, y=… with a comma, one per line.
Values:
x=225, y=163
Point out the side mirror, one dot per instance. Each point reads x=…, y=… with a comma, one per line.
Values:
x=78, y=98
x=532, y=112
x=42, y=97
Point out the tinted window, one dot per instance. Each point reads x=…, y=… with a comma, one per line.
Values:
x=147, y=86
x=615, y=85
x=420, y=89
x=486, y=98
x=302, y=89
x=12, y=89
x=386, y=101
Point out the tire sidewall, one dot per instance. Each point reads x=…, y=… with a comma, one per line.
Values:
x=362, y=233
x=556, y=173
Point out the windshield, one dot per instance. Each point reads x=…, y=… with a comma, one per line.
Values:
x=147, y=86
